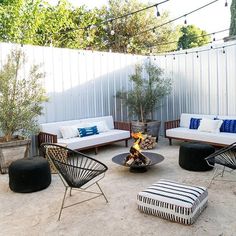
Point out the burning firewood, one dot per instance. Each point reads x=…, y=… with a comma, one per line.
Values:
x=136, y=157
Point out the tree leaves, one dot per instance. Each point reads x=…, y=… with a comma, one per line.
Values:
x=21, y=97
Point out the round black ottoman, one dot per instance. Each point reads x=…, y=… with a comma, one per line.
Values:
x=29, y=175
x=192, y=156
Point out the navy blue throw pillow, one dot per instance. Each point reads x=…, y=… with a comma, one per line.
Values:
x=83, y=132
x=228, y=126
x=194, y=123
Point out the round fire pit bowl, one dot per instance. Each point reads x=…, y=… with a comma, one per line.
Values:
x=154, y=159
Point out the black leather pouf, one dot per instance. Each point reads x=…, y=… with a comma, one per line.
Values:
x=29, y=175
x=192, y=156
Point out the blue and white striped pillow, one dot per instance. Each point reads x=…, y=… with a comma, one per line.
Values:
x=228, y=126
x=194, y=123
x=83, y=132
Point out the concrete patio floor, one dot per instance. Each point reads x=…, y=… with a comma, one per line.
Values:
x=36, y=213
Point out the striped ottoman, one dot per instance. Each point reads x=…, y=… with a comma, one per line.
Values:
x=173, y=201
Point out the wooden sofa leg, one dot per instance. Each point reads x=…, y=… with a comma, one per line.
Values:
x=126, y=142
x=96, y=150
x=170, y=141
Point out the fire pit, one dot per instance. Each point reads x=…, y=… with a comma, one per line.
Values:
x=154, y=159
x=137, y=161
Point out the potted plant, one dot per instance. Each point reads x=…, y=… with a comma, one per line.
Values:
x=149, y=88
x=21, y=98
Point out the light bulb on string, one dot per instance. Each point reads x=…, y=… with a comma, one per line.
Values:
x=197, y=54
x=112, y=32
x=214, y=39
x=158, y=13
x=226, y=3
x=223, y=50
x=174, y=57
x=185, y=20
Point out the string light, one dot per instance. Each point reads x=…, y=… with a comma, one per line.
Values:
x=185, y=20
x=175, y=19
x=214, y=39
x=203, y=50
x=200, y=36
x=158, y=13
x=226, y=3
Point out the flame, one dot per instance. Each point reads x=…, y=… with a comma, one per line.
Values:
x=139, y=137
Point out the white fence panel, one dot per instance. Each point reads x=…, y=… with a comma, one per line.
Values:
x=83, y=84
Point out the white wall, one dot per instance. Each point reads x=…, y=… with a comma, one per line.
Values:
x=82, y=84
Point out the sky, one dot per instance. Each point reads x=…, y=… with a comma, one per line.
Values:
x=214, y=17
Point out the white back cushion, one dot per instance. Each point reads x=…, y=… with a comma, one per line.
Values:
x=226, y=117
x=212, y=126
x=54, y=127
x=108, y=120
x=186, y=117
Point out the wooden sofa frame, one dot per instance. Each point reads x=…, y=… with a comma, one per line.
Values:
x=44, y=137
x=175, y=124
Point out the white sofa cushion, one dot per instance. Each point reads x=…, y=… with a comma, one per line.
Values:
x=54, y=127
x=69, y=131
x=207, y=125
x=186, y=117
x=194, y=134
x=101, y=125
x=93, y=140
x=226, y=117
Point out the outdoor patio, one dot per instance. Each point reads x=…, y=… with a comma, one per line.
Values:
x=36, y=213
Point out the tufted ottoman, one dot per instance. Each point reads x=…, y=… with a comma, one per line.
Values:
x=192, y=156
x=29, y=175
x=173, y=201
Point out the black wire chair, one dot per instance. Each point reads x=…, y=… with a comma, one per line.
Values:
x=225, y=157
x=76, y=170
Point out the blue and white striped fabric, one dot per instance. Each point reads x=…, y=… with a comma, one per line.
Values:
x=83, y=132
x=194, y=123
x=228, y=126
x=173, y=201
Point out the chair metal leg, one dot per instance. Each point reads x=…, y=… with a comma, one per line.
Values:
x=222, y=174
x=102, y=192
x=62, y=204
x=70, y=191
x=214, y=175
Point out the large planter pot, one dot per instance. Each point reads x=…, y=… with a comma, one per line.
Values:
x=11, y=151
x=150, y=127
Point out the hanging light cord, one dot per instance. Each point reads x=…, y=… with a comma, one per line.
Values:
x=134, y=12
x=175, y=19
x=200, y=36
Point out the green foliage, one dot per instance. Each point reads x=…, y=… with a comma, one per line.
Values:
x=20, y=97
x=191, y=37
x=233, y=18
x=129, y=35
x=38, y=23
x=149, y=87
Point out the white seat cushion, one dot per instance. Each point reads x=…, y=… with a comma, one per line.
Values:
x=195, y=135
x=96, y=139
x=173, y=201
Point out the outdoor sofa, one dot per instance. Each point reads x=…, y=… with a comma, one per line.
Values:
x=187, y=128
x=73, y=133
